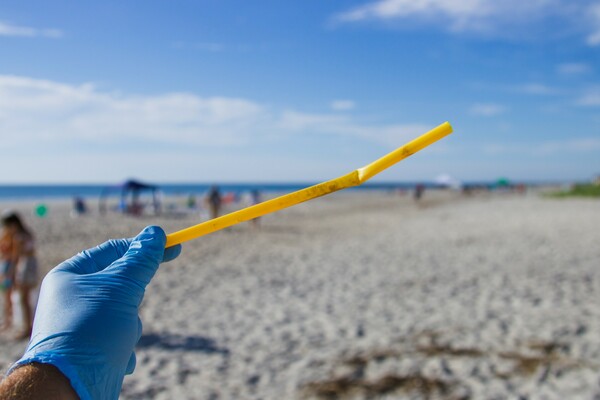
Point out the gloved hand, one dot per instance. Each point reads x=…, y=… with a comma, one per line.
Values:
x=87, y=322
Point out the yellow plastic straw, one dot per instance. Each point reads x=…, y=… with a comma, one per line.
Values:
x=354, y=178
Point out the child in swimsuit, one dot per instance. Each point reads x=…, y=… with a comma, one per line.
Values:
x=25, y=272
x=6, y=276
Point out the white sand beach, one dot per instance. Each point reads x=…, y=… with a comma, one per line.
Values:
x=365, y=295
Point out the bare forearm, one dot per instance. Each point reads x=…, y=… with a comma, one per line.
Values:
x=36, y=381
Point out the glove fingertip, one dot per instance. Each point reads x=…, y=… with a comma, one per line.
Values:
x=131, y=364
x=141, y=260
x=151, y=240
x=155, y=232
x=172, y=253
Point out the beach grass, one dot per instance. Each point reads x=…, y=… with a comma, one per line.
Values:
x=579, y=190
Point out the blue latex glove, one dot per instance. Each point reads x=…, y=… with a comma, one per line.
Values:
x=87, y=322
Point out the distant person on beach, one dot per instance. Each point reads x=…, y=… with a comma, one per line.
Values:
x=419, y=191
x=79, y=207
x=255, y=198
x=25, y=266
x=87, y=323
x=191, y=202
x=8, y=276
x=215, y=201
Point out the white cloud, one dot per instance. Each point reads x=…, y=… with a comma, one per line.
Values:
x=495, y=148
x=8, y=29
x=397, y=135
x=578, y=145
x=33, y=110
x=487, y=109
x=573, y=68
x=343, y=105
x=536, y=89
x=466, y=15
x=458, y=11
x=593, y=38
x=50, y=113
x=69, y=132
x=591, y=98
x=297, y=121
x=546, y=148
x=389, y=135
x=501, y=18
x=203, y=46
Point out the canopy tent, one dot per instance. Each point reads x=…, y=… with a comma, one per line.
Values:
x=130, y=192
x=447, y=181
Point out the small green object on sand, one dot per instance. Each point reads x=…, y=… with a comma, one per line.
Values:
x=41, y=210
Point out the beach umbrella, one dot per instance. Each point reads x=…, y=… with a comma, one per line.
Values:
x=502, y=182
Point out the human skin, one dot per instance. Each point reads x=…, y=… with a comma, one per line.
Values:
x=36, y=381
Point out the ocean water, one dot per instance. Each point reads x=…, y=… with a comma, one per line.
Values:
x=42, y=192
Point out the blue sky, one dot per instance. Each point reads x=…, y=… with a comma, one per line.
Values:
x=275, y=91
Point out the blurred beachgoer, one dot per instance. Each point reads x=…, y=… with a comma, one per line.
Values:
x=255, y=198
x=122, y=207
x=25, y=266
x=419, y=191
x=136, y=208
x=8, y=276
x=191, y=202
x=215, y=201
x=79, y=207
